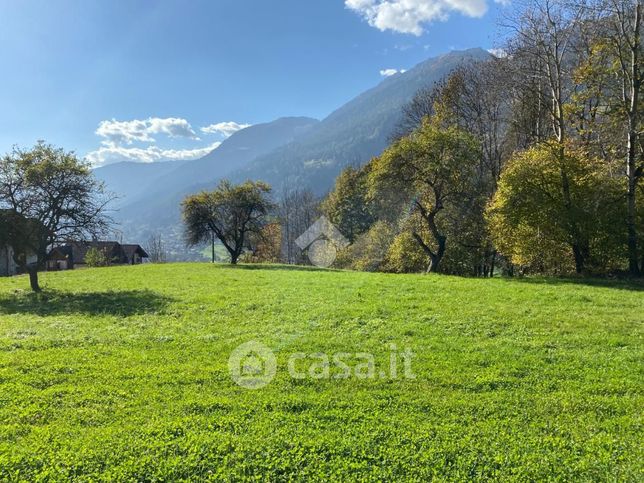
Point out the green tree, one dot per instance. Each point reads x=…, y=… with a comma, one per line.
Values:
x=57, y=192
x=347, y=205
x=436, y=167
x=229, y=213
x=536, y=225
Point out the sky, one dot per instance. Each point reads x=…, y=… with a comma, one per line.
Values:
x=152, y=81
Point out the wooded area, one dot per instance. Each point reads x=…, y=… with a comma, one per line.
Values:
x=530, y=162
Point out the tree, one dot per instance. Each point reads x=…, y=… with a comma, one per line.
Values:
x=613, y=77
x=544, y=35
x=265, y=246
x=421, y=106
x=534, y=224
x=437, y=168
x=347, y=206
x=56, y=190
x=24, y=237
x=546, y=32
x=230, y=213
x=369, y=250
x=155, y=248
x=297, y=211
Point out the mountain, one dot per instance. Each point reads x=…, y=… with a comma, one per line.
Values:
x=128, y=180
x=155, y=204
x=143, y=183
x=234, y=153
x=300, y=151
x=355, y=132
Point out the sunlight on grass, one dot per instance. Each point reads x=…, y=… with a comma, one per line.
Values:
x=122, y=373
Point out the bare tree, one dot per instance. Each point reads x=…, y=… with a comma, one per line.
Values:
x=544, y=35
x=297, y=211
x=625, y=38
x=420, y=107
x=156, y=249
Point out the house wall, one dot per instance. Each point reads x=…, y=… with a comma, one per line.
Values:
x=7, y=265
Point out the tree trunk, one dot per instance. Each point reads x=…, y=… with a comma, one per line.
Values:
x=234, y=256
x=492, y=263
x=435, y=258
x=32, y=269
x=633, y=135
x=579, y=258
x=213, y=248
x=633, y=266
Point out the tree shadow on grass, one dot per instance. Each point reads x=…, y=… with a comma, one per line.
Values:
x=636, y=285
x=54, y=302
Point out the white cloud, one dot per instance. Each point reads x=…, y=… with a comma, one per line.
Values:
x=126, y=132
x=108, y=154
x=390, y=72
x=409, y=16
x=224, y=128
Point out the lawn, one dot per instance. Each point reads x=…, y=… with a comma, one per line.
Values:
x=123, y=374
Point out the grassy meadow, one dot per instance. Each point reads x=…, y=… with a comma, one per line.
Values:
x=122, y=374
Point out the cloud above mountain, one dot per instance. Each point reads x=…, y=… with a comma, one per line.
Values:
x=409, y=16
x=127, y=132
x=149, y=154
x=390, y=72
x=224, y=128
x=138, y=140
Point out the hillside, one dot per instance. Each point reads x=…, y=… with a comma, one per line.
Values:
x=354, y=133
x=159, y=199
x=123, y=374
x=129, y=180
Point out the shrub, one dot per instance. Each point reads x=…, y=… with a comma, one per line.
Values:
x=96, y=258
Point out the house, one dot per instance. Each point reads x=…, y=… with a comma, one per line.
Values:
x=72, y=255
x=134, y=254
x=17, y=232
x=8, y=266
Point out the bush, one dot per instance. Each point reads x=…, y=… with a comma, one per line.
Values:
x=96, y=258
x=369, y=250
x=405, y=255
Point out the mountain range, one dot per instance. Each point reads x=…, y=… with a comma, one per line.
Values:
x=296, y=151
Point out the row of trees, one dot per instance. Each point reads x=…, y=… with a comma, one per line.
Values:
x=531, y=161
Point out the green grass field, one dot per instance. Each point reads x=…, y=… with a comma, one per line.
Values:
x=122, y=374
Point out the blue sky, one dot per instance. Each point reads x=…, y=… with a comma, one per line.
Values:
x=151, y=81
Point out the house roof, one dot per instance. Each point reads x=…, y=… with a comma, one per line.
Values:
x=78, y=250
x=130, y=250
